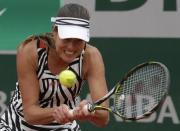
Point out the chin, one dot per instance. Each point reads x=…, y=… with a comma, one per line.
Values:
x=68, y=60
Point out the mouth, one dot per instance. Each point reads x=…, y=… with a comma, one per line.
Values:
x=69, y=52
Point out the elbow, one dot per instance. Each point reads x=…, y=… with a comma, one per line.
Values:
x=104, y=122
x=29, y=119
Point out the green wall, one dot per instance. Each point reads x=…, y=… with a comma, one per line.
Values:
x=23, y=18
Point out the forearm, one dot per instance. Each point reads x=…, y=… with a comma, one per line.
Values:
x=36, y=115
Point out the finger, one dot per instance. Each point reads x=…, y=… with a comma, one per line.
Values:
x=83, y=103
x=67, y=116
x=80, y=115
x=60, y=114
x=74, y=113
x=56, y=115
x=85, y=110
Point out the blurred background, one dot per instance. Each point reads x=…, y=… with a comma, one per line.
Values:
x=127, y=32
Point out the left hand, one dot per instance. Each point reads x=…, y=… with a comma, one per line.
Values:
x=62, y=114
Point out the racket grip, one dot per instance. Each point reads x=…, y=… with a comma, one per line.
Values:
x=87, y=109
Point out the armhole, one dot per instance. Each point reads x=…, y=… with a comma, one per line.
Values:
x=81, y=62
x=45, y=41
x=41, y=43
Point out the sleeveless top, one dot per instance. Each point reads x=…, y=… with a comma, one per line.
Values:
x=52, y=93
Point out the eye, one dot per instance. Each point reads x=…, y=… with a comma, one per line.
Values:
x=78, y=41
x=67, y=40
x=73, y=40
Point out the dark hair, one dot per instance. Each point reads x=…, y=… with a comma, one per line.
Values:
x=74, y=10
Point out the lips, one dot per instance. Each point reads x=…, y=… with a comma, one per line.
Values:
x=69, y=56
x=69, y=52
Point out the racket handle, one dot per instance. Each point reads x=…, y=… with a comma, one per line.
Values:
x=86, y=109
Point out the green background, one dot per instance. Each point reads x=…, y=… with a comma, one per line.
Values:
x=23, y=18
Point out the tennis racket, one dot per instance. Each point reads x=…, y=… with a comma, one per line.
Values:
x=142, y=90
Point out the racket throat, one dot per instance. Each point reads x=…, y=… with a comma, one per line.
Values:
x=90, y=107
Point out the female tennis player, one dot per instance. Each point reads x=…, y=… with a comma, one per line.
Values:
x=40, y=102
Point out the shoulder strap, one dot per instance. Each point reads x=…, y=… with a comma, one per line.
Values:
x=47, y=39
x=41, y=43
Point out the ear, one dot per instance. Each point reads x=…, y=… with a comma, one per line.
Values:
x=54, y=28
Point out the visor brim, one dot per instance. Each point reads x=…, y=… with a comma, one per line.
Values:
x=71, y=31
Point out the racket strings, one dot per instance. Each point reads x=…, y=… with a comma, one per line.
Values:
x=141, y=91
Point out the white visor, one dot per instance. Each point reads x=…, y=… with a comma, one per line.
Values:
x=69, y=27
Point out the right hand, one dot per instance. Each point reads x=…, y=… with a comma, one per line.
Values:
x=62, y=114
x=81, y=112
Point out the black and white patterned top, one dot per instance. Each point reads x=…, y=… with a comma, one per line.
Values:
x=52, y=93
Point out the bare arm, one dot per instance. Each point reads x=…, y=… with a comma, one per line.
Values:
x=95, y=75
x=29, y=86
x=97, y=85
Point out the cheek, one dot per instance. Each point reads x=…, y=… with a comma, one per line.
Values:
x=59, y=48
x=58, y=44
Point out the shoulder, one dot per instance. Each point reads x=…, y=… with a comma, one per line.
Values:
x=26, y=51
x=27, y=45
x=92, y=51
x=92, y=60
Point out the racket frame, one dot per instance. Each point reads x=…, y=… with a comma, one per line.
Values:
x=91, y=107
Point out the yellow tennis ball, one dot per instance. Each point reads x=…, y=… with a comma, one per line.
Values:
x=67, y=78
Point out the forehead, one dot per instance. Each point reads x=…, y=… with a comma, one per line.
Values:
x=74, y=40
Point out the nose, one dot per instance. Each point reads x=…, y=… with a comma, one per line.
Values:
x=71, y=45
